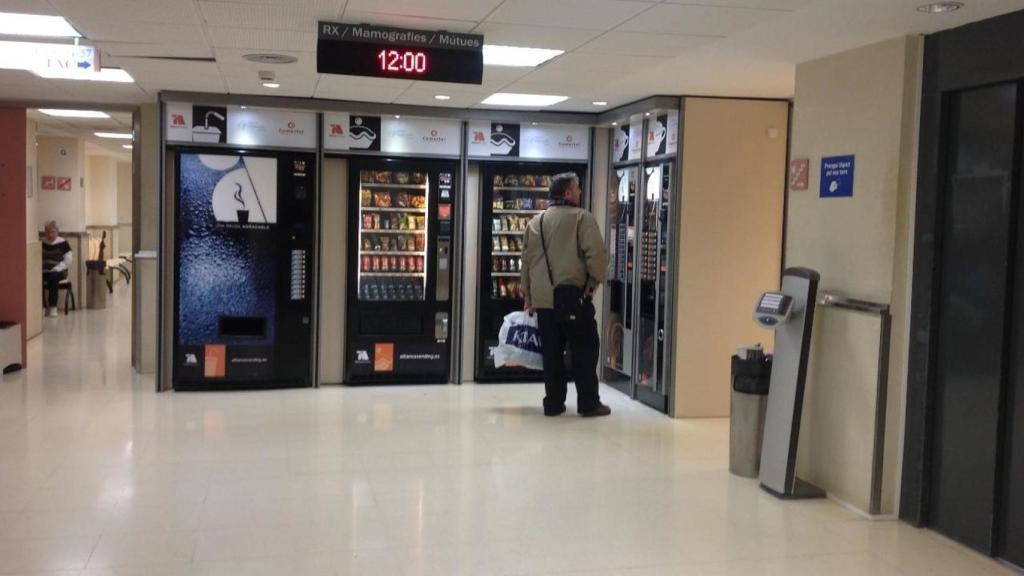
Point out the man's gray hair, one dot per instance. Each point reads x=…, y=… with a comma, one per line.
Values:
x=560, y=183
x=51, y=224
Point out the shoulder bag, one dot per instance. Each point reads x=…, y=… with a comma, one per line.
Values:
x=568, y=299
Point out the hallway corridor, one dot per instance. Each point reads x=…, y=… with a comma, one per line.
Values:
x=100, y=476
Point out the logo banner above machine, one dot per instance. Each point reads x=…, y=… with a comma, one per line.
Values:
x=510, y=140
x=187, y=123
x=362, y=133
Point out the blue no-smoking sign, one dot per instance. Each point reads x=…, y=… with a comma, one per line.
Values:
x=837, y=177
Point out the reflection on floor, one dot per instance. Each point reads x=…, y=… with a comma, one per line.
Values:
x=101, y=476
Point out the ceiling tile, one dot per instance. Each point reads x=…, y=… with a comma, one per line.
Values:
x=361, y=89
x=28, y=7
x=250, y=84
x=577, y=70
x=263, y=39
x=266, y=16
x=764, y=4
x=414, y=22
x=586, y=14
x=534, y=36
x=150, y=69
x=424, y=96
x=144, y=49
x=699, y=20
x=167, y=12
x=644, y=44
x=115, y=30
x=449, y=9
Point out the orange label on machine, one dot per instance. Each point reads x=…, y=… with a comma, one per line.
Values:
x=215, y=361
x=383, y=357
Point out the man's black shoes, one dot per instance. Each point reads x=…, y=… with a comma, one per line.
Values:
x=601, y=410
x=554, y=412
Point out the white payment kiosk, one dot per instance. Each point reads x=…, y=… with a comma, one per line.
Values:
x=790, y=312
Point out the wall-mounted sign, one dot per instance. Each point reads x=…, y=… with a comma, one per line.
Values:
x=51, y=60
x=542, y=142
x=199, y=124
x=636, y=140
x=420, y=136
x=64, y=184
x=663, y=134
x=799, y=174
x=620, y=143
x=837, y=176
x=48, y=183
x=383, y=52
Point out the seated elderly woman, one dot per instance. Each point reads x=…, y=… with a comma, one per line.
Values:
x=56, y=261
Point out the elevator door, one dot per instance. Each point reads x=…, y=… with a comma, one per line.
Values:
x=973, y=314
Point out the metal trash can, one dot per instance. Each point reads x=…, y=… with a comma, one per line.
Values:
x=96, y=284
x=751, y=376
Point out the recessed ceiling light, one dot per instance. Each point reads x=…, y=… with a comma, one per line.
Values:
x=126, y=146
x=398, y=117
x=517, y=56
x=59, y=113
x=244, y=107
x=271, y=58
x=12, y=24
x=528, y=100
x=647, y=114
x=271, y=85
x=115, y=135
x=533, y=123
x=599, y=103
x=615, y=123
x=940, y=7
x=442, y=97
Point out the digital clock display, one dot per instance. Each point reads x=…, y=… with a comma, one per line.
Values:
x=380, y=52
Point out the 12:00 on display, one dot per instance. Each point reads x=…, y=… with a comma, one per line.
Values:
x=402, y=61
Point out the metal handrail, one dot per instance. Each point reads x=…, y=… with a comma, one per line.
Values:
x=842, y=302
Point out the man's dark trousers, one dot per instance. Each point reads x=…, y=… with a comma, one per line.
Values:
x=585, y=347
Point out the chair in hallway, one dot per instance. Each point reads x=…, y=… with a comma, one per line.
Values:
x=68, y=289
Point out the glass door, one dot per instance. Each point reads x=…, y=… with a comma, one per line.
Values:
x=617, y=360
x=652, y=296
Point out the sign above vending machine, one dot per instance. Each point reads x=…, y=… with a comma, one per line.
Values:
x=528, y=142
x=187, y=123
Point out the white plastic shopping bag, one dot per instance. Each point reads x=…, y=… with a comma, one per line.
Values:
x=519, y=342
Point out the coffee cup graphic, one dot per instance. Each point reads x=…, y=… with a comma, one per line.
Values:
x=243, y=212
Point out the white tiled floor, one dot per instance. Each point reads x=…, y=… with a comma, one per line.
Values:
x=100, y=476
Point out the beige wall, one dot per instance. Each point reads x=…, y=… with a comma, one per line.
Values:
x=62, y=157
x=124, y=209
x=862, y=102
x=333, y=285
x=101, y=191
x=34, y=263
x=145, y=282
x=734, y=170
x=471, y=255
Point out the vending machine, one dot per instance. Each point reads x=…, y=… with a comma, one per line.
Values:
x=638, y=299
x=511, y=195
x=401, y=233
x=244, y=254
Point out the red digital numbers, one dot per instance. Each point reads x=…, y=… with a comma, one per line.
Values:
x=402, y=61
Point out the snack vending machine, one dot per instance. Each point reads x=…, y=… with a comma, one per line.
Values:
x=512, y=195
x=399, y=277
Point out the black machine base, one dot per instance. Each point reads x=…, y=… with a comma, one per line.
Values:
x=802, y=490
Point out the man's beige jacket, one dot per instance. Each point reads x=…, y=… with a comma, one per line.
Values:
x=575, y=249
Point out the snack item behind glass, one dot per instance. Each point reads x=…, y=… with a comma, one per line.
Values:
x=366, y=176
x=402, y=178
x=545, y=181
x=499, y=181
x=367, y=222
x=402, y=200
x=382, y=199
x=383, y=177
x=365, y=197
x=530, y=181
x=419, y=178
x=512, y=180
x=421, y=223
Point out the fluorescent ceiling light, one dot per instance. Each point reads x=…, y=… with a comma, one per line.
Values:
x=940, y=7
x=442, y=97
x=271, y=85
x=104, y=75
x=126, y=146
x=599, y=103
x=528, y=100
x=58, y=113
x=12, y=24
x=115, y=135
x=516, y=56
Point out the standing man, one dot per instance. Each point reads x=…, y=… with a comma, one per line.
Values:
x=563, y=248
x=56, y=261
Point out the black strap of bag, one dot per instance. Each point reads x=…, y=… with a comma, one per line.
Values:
x=568, y=299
